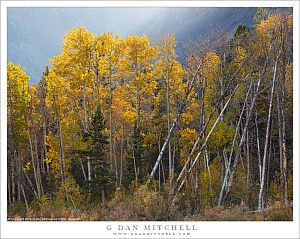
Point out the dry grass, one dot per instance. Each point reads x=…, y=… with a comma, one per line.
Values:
x=144, y=204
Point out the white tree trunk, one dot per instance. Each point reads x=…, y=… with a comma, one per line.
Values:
x=262, y=184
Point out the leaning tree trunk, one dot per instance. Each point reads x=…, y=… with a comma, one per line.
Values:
x=224, y=184
x=181, y=108
x=203, y=145
x=228, y=183
x=284, y=151
x=262, y=184
x=174, y=124
x=258, y=146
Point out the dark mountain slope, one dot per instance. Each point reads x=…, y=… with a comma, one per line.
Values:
x=194, y=23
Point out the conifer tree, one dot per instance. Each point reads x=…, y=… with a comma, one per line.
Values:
x=102, y=180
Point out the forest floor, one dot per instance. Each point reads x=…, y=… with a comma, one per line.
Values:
x=274, y=212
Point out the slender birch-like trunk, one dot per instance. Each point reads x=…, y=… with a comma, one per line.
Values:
x=258, y=146
x=174, y=124
x=262, y=184
x=33, y=164
x=204, y=144
x=82, y=168
x=61, y=151
x=110, y=124
x=169, y=125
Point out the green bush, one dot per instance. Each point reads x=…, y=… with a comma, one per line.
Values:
x=20, y=208
x=35, y=205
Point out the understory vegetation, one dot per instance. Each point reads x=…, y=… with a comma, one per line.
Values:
x=120, y=129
